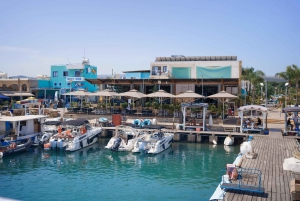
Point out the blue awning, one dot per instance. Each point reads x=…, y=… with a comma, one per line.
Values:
x=3, y=97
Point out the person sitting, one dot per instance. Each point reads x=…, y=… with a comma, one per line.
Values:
x=248, y=122
x=288, y=124
x=258, y=121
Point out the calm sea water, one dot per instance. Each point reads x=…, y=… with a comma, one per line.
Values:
x=187, y=171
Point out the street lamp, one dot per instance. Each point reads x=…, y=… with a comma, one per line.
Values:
x=275, y=95
x=286, y=86
x=261, y=86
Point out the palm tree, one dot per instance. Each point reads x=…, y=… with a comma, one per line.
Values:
x=254, y=77
x=292, y=74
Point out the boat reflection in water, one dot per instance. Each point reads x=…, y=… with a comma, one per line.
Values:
x=229, y=148
x=72, y=158
x=139, y=158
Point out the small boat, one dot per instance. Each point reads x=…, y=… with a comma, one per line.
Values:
x=18, y=128
x=154, y=143
x=74, y=135
x=228, y=141
x=50, y=129
x=124, y=139
x=12, y=147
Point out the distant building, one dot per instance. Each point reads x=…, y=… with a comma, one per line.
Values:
x=205, y=75
x=65, y=78
x=137, y=74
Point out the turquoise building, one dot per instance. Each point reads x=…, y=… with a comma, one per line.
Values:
x=65, y=78
x=138, y=74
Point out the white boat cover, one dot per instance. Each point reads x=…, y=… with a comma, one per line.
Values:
x=292, y=164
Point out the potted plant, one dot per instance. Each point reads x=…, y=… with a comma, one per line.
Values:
x=124, y=105
x=147, y=104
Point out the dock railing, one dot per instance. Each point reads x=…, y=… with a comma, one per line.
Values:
x=242, y=179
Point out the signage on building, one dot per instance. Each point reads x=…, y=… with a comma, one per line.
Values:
x=75, y=79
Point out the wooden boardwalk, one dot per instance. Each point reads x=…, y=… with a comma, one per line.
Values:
x=271, y=154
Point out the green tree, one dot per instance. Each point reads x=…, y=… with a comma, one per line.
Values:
x=254, y=78
x=292, y=74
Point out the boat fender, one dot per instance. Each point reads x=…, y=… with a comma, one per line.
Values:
x=137, y=122
x=82, y=130
x=1, y=155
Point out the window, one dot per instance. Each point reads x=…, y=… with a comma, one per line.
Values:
x=55, y=74
x=59, y=84
x=65, y=73
x=69, y=83
x=55, y=84
x=165, y=69
x=77, y=73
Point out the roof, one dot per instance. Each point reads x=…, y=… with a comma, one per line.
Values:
x=196, y=58
x=21, y=118
x=135, y=71
x=14, y=93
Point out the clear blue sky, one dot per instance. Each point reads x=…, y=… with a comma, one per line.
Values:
x=128, y=35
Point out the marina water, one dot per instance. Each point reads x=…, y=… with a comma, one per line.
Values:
x=186, y=171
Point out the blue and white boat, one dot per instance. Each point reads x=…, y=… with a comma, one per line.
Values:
x=21, y=128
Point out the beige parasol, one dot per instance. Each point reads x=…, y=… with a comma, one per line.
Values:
x=133, y=93
x=222, y=97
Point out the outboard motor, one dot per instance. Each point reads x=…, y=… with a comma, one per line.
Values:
x=45, y=138
x=117, y=144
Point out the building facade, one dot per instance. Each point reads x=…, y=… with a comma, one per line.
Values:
x=65, y=78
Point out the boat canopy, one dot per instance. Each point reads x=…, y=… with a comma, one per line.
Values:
x=76, y=122
x=253, y=107
x=154, y=127
x=263, y=109
x=290, y=109
x=54, y=123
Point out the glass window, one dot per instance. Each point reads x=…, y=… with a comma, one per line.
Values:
x=55, y=84
x=55, y=73
x=77, y=73
x=59, y=84
x=165, y=69
x=65, y=73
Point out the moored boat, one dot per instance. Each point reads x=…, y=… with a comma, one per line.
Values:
x=74, y=135
x=12, y=147
x=154, y=143
x=124, y=139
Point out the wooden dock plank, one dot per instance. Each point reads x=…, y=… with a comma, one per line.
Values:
x=275, y=180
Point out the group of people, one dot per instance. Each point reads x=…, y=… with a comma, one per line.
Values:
x=249, y=121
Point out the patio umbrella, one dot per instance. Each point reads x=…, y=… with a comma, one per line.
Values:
x=133, y=93
x=161, y=94
x=222, y=97
x=80, y=93
x=106, y=93
x=189, y=94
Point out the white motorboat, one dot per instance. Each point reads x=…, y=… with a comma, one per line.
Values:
x=154, y=143
x=124, y=139
x=50, y=129
x=228, y=141
x=74, y=135
x=18, y=128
